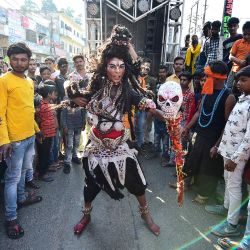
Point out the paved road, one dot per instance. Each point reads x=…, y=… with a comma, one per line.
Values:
x=116, y=225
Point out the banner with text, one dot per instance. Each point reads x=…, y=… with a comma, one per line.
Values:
x=227, y=13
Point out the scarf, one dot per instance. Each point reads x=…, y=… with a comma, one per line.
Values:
x=143, y=82
x=208, y=87
x=191, y=56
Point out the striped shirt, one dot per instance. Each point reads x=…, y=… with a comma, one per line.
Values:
x=187, y=104
x=47, y=120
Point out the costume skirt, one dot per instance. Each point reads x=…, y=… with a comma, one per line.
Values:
x=112, y=169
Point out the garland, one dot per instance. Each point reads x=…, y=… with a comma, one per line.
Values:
x=173, y=127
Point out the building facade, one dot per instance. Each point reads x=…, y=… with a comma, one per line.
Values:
x=71, y=35
x=56, y=34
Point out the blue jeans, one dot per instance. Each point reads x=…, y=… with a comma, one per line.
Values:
x=29, y=174
x=140, y=122
x=73, y=141
x=162, y=138
x=20, y=161
x=54, y=152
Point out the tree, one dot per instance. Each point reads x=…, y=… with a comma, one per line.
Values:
x=48, y=6
x=29, y=6
x=69, y=12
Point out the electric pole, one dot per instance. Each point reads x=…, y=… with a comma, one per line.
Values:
x=190, y=21
x=204, y=14
x=196, y=16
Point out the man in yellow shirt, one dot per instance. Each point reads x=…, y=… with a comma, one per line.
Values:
x=17, y=134
x=179, y=65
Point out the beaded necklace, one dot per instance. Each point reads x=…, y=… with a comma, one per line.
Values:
x=211, y=114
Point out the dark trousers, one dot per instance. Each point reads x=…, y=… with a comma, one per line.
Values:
x=206, y=170
x=43, y=151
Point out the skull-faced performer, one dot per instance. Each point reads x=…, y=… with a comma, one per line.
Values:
x=109, y=163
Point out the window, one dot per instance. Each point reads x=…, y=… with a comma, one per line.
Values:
x=62, y=24
x=41, y=38
x=68, y=27
x=70, y=48
x=31, y=36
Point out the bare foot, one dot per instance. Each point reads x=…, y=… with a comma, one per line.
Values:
x=155, y=229
x=82, y=224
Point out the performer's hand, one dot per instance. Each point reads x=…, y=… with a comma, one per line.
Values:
x=150, y=94
x=213, y=152
x=132, y=52
x=150, y=104
x=80, y=101
x=230, y=166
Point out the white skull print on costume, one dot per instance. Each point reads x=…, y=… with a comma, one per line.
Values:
x=170, y=98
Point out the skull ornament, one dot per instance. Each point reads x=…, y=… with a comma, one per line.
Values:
x=170, y=98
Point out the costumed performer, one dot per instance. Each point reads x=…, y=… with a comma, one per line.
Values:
x=109, y=163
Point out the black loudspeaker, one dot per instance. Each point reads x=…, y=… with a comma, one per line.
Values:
x=153, y=39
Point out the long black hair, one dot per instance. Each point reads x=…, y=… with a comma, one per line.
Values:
x=117, y=47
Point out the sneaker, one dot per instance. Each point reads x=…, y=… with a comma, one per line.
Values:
x=226, y=243
x=66, y=169
x=218, y=226
x=76, y=160
x=227, y=231
x=216, y=209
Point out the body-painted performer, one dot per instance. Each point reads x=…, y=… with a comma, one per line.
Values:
x=109, y=163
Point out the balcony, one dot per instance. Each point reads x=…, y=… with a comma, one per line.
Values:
x=70, y=35
x=37, y=48
x=66, y=32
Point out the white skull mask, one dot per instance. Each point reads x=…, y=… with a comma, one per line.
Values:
x=170, y=98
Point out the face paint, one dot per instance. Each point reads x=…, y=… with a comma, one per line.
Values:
x=115, y=70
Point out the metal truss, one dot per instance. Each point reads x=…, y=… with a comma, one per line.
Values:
x=136, y=10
